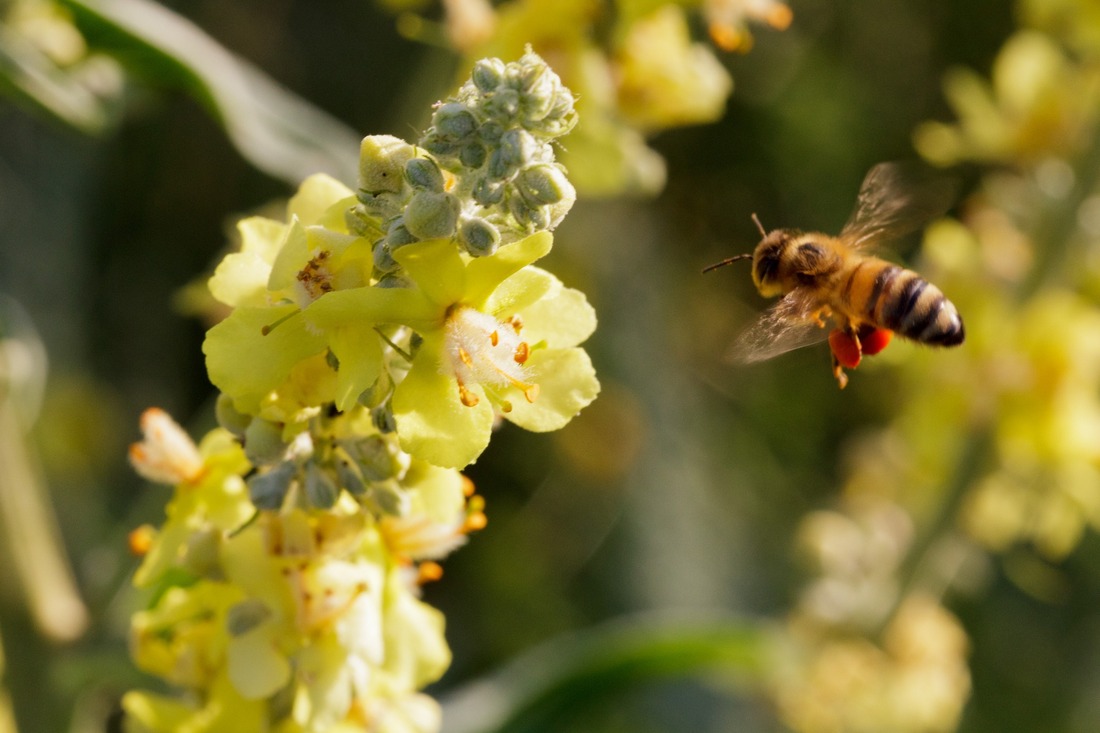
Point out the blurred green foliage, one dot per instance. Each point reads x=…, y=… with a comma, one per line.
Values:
x=955, y=491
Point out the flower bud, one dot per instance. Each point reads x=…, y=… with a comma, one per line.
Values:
x=453, y=122
x=229, y=417
x=543, y=184
x=399, y=234
x=499, y=166
x=263, y=442
x=393, y=280
x=423, y=173
x=268, y=490
x=487, y=193
x=479, y=237
x=383, y=257
x=473, y=155
x=487, y=74
x=349, y=477
x=390, y=498
x=382, y=159
x=431, y=215
x=383, y=419
x=245, y=616
x=490, y=131
x=504, y=104
x=517, y=147
x=320, y=490
x=375, y=458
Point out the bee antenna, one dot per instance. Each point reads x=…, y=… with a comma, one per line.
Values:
x=763, y=232
x=727, y=261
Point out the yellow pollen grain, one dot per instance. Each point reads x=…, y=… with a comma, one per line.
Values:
x=531, y=392
x=494, y=338
x=468, y=488
x=465, y=357
x=522, y=352
x=475, y=522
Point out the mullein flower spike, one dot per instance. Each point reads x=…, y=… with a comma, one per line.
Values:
x=375, y=337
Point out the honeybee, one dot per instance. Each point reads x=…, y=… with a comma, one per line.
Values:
x=826, y=279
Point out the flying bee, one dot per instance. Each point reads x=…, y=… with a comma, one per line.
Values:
x=825, y=279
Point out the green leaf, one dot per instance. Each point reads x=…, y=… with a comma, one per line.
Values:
x=550, y=687
x=278, y=132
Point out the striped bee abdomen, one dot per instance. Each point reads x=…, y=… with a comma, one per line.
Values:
x=905, y=302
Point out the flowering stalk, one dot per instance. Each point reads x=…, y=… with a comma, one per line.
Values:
x=375, y=339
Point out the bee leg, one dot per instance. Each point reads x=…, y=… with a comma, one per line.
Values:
x=821, y=314
x=838, y=372
x=847, y=352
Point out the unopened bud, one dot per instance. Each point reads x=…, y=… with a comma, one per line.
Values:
x=473, y=155
x=320, y=489
x=382, y=159
x=479, y=237
x=268, y=490
x=453, y=122
x=487, y=74
x=543, y=184
x=423, y=173
x=431, y=215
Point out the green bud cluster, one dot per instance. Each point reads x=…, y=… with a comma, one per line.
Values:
x=484, y=172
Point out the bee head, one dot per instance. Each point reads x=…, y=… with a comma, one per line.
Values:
x=768, y=266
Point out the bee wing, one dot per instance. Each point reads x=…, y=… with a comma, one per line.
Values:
x=895, y=199
x=789, y=325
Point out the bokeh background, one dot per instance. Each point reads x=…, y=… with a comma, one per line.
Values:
x=962, y=487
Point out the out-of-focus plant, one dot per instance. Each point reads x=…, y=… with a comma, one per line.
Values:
x=73, y=60
x=995, y=445
x=45, y=62
x=376, y=336
x=634, y=66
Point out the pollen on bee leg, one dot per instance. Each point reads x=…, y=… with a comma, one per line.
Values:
x=820, y=315
x=845, y=347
